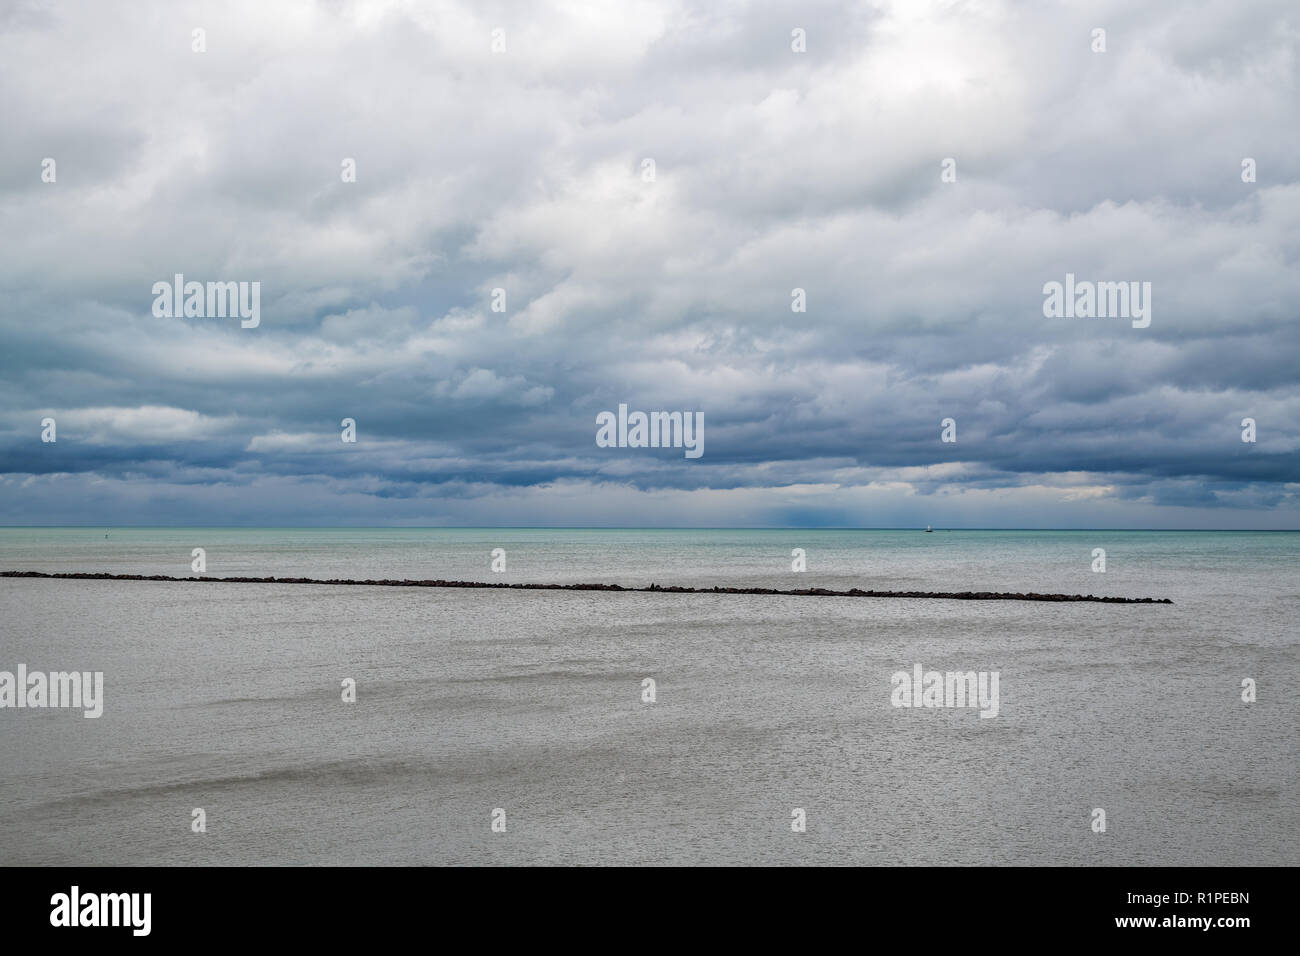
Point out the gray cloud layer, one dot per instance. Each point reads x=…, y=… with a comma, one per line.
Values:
x=775, y=170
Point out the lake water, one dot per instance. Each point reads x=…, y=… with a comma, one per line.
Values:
x=228, y=698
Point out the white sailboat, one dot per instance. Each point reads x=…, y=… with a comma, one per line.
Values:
x=929, y=530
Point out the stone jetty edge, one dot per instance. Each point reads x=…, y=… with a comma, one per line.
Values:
x=658, y=588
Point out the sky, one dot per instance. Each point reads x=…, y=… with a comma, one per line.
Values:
x=919, y=170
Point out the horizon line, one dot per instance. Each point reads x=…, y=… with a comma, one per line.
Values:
x=315, y=527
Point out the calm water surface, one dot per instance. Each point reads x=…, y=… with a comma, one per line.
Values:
x=227, y=697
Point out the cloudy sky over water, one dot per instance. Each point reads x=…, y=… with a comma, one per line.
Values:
x=522, y=170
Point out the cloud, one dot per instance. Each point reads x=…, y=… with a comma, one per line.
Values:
x=774, y=170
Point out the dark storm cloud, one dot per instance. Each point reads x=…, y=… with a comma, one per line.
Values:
x=774, y=171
